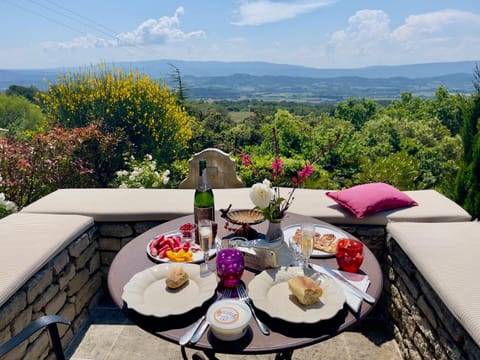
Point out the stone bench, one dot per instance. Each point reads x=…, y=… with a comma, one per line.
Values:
x=435, y=290
x=120, y=205
x=49, y=264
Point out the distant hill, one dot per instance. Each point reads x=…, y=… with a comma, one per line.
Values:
x=262, y=80
x=217, y=68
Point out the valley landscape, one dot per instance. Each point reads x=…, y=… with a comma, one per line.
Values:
x=215, y=80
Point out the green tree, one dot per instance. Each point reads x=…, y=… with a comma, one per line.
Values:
x=20, y=118
x=213, y=122
x=148, y=113
x=448, y=108
x=425, y=145
x=357, y=111
x=27, y=92
x=468, y=180
x=181, y=90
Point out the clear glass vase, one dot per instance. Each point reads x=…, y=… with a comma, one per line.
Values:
x=274, y=232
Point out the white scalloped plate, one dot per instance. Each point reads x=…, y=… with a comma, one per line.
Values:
x=269, y=292
x=147, y=293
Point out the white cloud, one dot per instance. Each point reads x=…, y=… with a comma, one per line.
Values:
x=266, y=11
x=443, y=26
x=448, y=35
x=163, y=30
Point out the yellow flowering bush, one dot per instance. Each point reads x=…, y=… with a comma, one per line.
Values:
x=148, y=113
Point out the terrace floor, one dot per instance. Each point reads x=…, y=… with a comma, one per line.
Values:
x=110, y=335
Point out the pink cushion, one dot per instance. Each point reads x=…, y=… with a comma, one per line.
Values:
x=367, y=199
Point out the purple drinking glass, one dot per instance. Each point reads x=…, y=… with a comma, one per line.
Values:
x=230, y=266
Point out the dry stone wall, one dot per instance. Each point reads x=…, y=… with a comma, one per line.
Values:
x=115, y=235
x=69, y=285
x=423, y=327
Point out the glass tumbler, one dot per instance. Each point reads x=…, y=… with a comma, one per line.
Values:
x=188, y=232
x=230, y=266
x=349, y=255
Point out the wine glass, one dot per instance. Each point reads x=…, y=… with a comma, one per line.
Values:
x=205, y=234
x=294, y=245
x=306, y=243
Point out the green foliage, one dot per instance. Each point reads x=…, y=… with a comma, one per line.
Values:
x=262, y=169
x=357, y=111
x=27, y=92
x=291, y=135
x=425, y=148
x=448, y=109
x=398, y=169
x=213, y=123
x=143, y=108
x=468, y=180
x=54, y=160
x=20, y=117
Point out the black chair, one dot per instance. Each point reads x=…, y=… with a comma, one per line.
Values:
x=50, y=321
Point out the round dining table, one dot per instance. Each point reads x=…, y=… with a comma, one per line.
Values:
x=284, y=337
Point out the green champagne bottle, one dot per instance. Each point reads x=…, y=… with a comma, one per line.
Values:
x=204, y=206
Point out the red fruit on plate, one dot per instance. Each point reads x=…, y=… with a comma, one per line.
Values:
x=163, y=251
x=177, y=241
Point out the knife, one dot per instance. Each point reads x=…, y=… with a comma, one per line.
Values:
x=185, y=338
x=347, y=283
x=198, y=334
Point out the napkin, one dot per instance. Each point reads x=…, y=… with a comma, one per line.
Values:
x=360, y=281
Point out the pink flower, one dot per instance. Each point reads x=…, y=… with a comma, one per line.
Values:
x=246, y=159
x=277, y=166
x=305, y=172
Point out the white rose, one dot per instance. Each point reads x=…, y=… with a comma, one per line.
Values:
x=261, y=194
x=166, y=177
x=11, y=206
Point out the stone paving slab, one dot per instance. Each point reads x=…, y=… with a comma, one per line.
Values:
x=110, y=335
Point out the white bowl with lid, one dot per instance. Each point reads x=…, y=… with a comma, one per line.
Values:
x=229, y=319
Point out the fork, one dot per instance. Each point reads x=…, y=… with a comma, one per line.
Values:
x=203, y=326
x=242, y=295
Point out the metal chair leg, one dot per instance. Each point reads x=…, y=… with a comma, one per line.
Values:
x=49, y=321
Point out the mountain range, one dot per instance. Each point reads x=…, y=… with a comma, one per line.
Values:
x=270, y=81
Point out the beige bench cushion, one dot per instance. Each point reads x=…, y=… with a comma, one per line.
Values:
x=432, y=207
x=29, y=241
x=132, y=204
x=166, y=204
x=117, y=204
x=447, y=255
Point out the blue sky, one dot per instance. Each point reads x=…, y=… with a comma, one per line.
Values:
x=316, y=33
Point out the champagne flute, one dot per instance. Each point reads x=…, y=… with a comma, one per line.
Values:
x=205, y=233
x=306, y=244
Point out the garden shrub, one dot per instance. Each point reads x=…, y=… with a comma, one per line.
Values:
x=20, y=118
x=56, y=159
x=150, y=116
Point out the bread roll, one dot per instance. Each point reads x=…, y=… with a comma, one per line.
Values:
x=305, y=289
x=176, y=277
